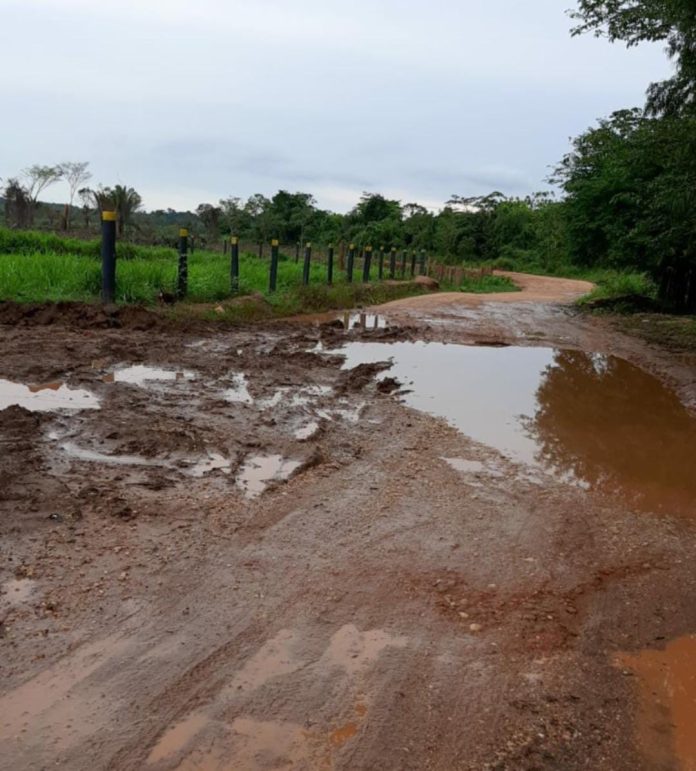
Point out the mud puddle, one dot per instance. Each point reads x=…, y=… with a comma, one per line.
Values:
x=141, y=374
x=667, y=702
x=591, y=419
x=47, y=397
x=364, y=321
x=260, y=471
x=212, y=461
x=238, y=392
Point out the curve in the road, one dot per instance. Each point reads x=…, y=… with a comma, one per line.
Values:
x=536, y=289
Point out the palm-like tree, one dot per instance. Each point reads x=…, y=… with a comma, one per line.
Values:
x=126, y=201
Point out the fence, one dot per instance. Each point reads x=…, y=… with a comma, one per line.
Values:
x=362, y=263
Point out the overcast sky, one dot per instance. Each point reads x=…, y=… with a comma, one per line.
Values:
x=194, y=100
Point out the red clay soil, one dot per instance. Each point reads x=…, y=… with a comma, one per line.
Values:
x=371, y=608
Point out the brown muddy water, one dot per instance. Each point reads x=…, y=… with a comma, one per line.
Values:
x=667, y=711
x=590, y=419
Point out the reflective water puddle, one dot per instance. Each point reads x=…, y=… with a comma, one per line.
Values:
x=214, y=462
x=364, y=321
x=195, y=468
x=667, y=698
x=48, y=397
x=140, y=374
x=258, y=472
x=239, y=391
x=588, y=417
x=291, y=398
x=473, y=467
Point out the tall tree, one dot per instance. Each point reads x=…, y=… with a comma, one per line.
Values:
x=126, y=201
x=635, y=21
x=235, y=219
x=38, y=178
x=211, y=217
x=17, y=204
x=76, y=174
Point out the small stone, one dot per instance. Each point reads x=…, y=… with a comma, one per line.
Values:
x=464, y=615
x=475, y=627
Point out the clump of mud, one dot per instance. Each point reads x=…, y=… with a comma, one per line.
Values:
x=359, y=377
x=80, y=315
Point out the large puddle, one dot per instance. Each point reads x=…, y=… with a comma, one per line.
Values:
x=589, y=418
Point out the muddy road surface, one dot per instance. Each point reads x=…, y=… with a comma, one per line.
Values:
x=459, y=534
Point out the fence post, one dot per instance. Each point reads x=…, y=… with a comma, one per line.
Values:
x=381, y=263
x=367, y=263
x=329, y=265
x=234, y=263
x=392, y=263
x=421, y=267
x=108, y=256
x=404, y=254
x=307, y=263
x=182, y=279
x=351, y=263
x=273, y=278
x=297, y=252
x=413, y=263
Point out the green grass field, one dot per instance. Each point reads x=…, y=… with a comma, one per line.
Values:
x=36, y=267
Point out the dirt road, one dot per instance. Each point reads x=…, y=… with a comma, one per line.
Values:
x=258, y=555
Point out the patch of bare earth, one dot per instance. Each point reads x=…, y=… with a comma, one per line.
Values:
x=366, y=605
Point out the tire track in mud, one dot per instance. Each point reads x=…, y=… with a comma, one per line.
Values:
x=268, y=623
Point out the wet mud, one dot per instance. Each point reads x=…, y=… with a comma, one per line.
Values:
x=454, y=536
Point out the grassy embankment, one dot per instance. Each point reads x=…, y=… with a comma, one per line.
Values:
x=35, y=267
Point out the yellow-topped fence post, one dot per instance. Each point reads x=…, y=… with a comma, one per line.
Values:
x=367, y=262
x=108, y=256
x=307, y=263
x=182, y=278
x=234, y=264
x=273, y=278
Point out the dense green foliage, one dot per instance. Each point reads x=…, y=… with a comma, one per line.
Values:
x=630, y=183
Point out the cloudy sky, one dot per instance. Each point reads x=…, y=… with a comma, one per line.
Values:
x=194, y=100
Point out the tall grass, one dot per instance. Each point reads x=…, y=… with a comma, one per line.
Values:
x=50, y=276
x=39, y=267
x=31, y=242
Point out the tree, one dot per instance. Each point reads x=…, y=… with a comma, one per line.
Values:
x=235, y=219
x=635, y=21
x=258, y=208
x=87, y=198
x=292, y=214
x=75, y=173
x=630, y=199
x=17, y=204
x=211, y=217
x=126, y=201
x=38, y=179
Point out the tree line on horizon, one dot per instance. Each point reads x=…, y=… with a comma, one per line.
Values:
x=628, y=188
